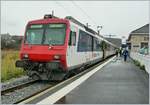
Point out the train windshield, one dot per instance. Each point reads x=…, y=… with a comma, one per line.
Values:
x=48, y=34
x=34, y=34
x=55, y=34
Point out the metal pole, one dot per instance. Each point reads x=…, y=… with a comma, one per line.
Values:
x=98, y=29
x=87, y=24
x=52, y=13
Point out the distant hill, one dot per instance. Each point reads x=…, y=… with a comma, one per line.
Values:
x=10, y=41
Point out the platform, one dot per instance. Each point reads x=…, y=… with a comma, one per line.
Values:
x=118, y=82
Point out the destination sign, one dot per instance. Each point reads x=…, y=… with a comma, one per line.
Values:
x=56, y=25
x=36, y=26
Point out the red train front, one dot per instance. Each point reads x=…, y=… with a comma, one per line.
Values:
x=44, y=48
x=54, y=48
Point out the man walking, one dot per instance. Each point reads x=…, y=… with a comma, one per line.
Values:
x=125, y=54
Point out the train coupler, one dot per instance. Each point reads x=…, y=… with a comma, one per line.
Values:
x=20, y=63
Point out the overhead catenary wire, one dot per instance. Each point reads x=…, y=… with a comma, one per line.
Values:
x=78, y=7
x=66, y=10
x=82, y=10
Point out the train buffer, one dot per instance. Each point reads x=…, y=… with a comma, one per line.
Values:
x=118, y=82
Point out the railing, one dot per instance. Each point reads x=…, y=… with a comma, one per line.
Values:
x=143, y=59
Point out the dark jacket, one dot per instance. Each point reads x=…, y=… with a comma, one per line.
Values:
x=125, y=52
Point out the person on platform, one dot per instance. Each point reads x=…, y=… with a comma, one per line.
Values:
x=117, y=52
x=120, y=52
x=125, y=54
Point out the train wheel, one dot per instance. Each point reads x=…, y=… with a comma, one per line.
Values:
x=35, y=77
x=67, y=75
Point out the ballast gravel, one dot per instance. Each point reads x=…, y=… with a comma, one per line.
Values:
x=20, y=94
x=14, y=82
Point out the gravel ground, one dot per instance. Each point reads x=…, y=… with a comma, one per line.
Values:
x=11, y=98
x=14, y=82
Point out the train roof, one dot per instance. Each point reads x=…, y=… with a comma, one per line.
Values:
x=80, y=24
x=42, y=21
x=48, y=17
x=87, y=29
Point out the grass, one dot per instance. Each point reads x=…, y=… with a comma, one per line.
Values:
x=137, y=63
x=8, y=69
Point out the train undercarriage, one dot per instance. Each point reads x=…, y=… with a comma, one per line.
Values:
x=50, y=70
x=42, y=70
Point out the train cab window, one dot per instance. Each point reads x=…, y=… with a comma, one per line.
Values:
x=34, y=34
x=72, y=39
x=55, y=34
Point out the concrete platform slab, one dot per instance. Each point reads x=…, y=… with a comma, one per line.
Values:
x=118, y=82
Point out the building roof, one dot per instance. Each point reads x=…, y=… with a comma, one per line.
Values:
x=115, y=41
x=144, y=30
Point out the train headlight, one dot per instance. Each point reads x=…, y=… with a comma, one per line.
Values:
x=56, y=57
x=25, y=55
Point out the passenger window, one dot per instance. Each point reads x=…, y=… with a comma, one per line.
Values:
x=72, y=40
x=96, y=45
x=85, y=42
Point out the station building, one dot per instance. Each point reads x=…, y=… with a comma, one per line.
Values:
x=138, y=40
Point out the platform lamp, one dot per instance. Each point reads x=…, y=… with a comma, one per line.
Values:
x=88, y=25
x=98, y=29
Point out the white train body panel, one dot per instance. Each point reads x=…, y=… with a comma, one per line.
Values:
x=75, y=58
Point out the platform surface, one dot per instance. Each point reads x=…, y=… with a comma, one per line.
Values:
x=118, y=82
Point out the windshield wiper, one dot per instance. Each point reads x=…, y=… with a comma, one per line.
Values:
x=50, y=44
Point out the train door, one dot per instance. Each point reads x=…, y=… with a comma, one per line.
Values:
x=72, y=49
x=89, y=47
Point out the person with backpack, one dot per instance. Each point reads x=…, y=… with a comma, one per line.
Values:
x=125, y=54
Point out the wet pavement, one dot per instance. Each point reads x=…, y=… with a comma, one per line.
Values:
x=118, y=82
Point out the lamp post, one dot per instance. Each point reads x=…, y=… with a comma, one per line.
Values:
x=88, y=25
x=98, y=29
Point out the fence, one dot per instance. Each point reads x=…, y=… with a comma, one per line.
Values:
x=143, y=59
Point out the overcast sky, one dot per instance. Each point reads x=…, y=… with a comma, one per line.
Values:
x=117, y=17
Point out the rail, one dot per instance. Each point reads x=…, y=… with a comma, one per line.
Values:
x=11, y=89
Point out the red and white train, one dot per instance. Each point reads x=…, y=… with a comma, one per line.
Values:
x=54, y=48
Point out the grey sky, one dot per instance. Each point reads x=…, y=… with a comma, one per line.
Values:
x=116, y=17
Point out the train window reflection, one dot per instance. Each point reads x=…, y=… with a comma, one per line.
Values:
x=55, y=35
x=34, y=36
x=48, y=34
x=72, y=39
x=85, y=42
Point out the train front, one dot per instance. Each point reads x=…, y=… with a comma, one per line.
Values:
x=43, y=50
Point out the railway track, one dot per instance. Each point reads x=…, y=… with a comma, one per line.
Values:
x=16, y=91
x=11, y=89
x=40, y=91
